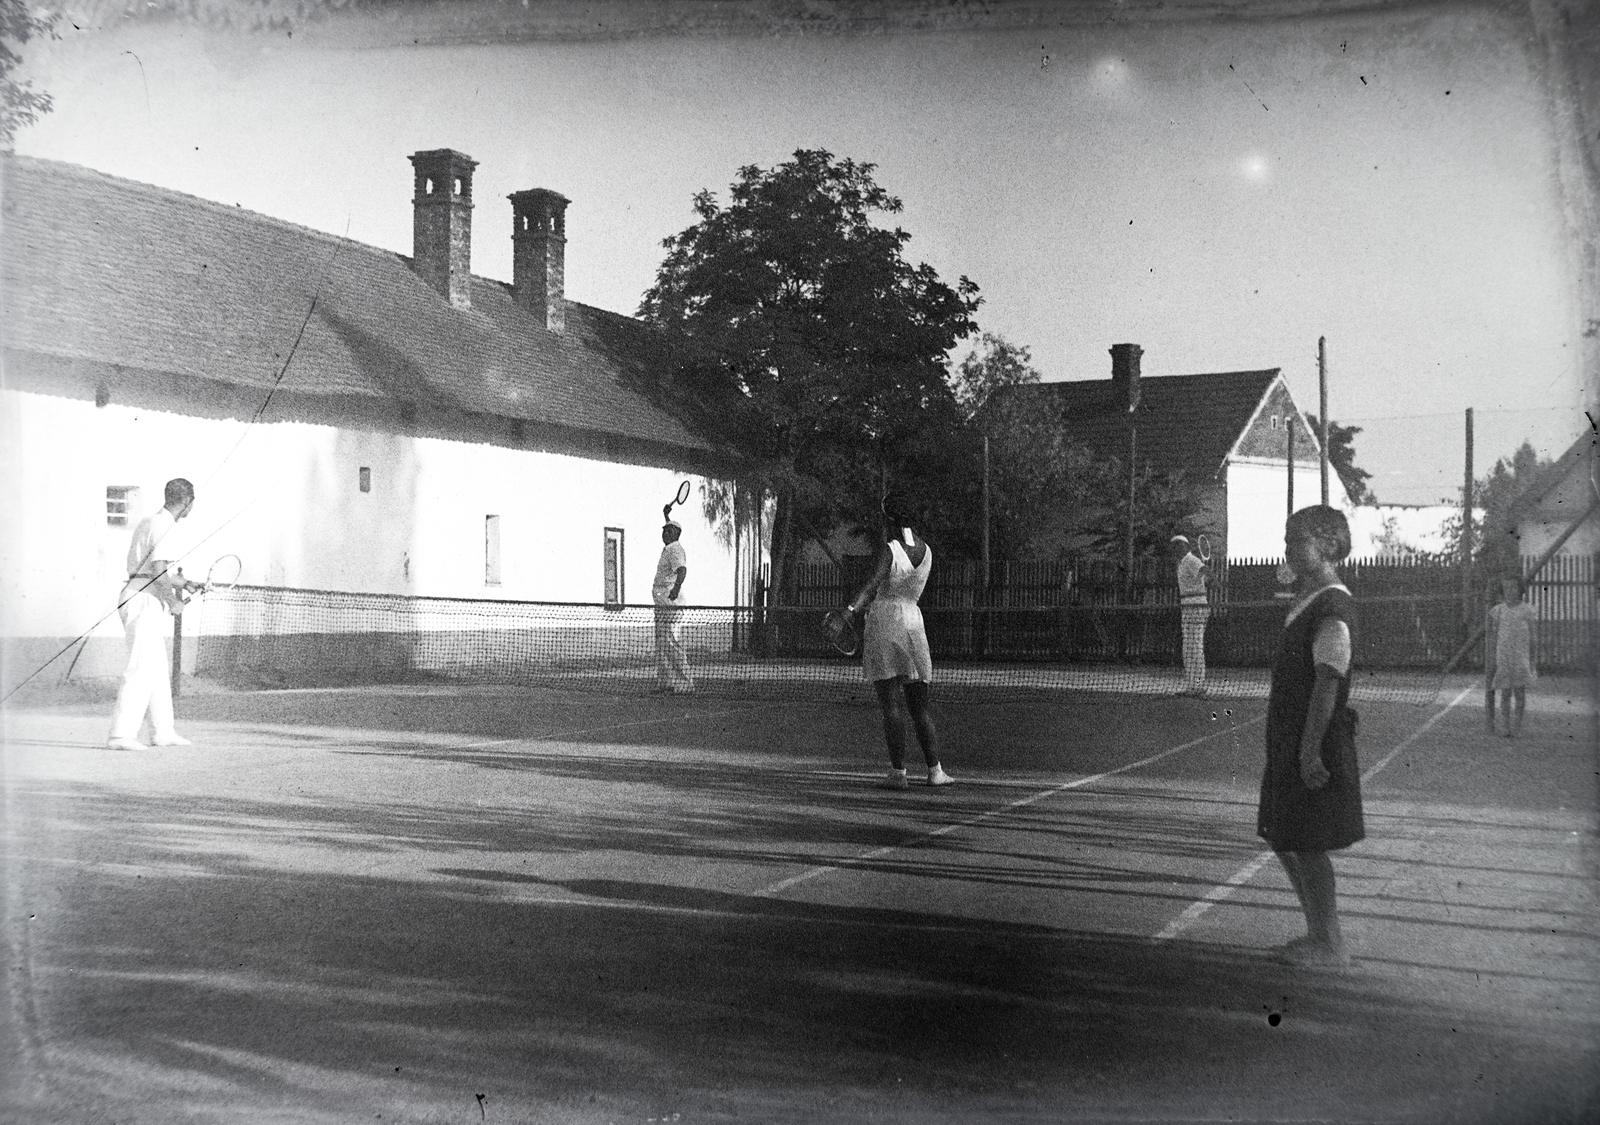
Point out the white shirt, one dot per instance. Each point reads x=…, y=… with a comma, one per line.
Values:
x=147, y=539
x=1331, y=645
x=1191, y=582
x=672, y=557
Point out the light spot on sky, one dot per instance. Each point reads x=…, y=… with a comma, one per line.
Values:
x=1255, y=167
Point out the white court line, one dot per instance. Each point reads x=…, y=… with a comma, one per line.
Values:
x=784, y=884
x=1239, y=878
x=610, y=726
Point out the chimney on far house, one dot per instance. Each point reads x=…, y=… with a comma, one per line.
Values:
x=441, y=223
x=539, y=255
x=1125, y=373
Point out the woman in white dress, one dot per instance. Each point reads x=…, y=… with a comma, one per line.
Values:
x=895, y=653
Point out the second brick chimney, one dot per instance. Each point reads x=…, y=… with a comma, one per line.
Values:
x=539, y=255
x=1125, y=373
x=441, y=223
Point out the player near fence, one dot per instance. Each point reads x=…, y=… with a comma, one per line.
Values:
x=1193, y=608
x=1509, y=645
x=154, y=591
x=895, y=658
x=1311, y=787
x=672, y=660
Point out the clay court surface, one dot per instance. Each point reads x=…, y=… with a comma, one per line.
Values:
x=493, y=905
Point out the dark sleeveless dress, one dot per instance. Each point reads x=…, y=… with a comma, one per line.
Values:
x=1291, y=817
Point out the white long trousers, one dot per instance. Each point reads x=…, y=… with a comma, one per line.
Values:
x=146, y=684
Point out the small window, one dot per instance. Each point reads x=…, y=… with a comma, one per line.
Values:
x=491, y=550
x=458, y=185
x=120, y=502
x=1276, y=421
x=430, y=185
x=365, y=478
x=613, y=568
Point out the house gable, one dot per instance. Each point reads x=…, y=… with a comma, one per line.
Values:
x=1266, y=435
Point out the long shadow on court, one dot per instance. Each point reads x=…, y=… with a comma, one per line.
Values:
x=237, y=983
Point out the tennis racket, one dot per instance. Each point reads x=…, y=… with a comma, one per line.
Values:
x=224, y=573
x=683, y=494
x=839, y=627
x=1204, y=547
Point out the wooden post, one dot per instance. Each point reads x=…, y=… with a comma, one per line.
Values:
x=177, y=652
x=986, y=571
x=1133, y=450
x=1322, y=416
x=1289, y=419
x=1466, y=528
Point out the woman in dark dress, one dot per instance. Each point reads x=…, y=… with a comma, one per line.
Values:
x=1311, y=789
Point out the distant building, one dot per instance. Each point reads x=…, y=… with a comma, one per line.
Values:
x=1566, y=492
x=1228, y=431
x=353, y=419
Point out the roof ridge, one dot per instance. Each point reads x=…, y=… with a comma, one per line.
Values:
x=140, y=187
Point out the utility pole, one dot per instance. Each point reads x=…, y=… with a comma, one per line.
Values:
x=1322, y=415
x=1133, y=450
x=1289, y=419
x=986, y=571
x=1466, y=528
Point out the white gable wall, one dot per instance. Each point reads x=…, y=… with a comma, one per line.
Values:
x=1258, y=494
x=285, y=498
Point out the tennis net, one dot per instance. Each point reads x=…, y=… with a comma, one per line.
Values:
x=276, y=636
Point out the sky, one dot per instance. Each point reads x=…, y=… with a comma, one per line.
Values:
x=1222, y=193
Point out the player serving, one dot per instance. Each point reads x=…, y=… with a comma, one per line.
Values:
x=896, y=658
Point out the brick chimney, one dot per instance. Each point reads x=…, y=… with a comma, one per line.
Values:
x=539, y=255
x=441, y=223
x=1125, y=373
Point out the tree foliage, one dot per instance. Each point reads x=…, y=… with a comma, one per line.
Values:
x=821, y=347
x=20, y=104
x=1342, y=456
x=1052, y=496
x=994, y=364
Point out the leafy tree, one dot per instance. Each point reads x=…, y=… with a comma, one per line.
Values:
x=1051, y=496
x=996, y=363
x=20, y=104
x=822, y=348
x=1503, y=494
x=1342, y=457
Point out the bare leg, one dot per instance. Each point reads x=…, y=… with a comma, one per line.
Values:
x=917, y=703
x=1321, y=905
x=1520, y=695
x=1291, y=867
x=1488, y=709
x=894, y=720
x=1505, y=709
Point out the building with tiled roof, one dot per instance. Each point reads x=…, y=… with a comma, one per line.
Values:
x=1231, y=432
x=353, y=418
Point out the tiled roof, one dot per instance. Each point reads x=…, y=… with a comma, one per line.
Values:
x=1183, y=421
x=101, y=269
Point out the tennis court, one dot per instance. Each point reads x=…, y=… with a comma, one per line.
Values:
x=438, y=903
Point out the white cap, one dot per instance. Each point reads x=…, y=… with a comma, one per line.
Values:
x=1179, y=539
x=673, y=523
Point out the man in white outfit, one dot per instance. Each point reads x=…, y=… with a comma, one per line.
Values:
x=1194, y=609
x=153, y=592
x=672, y=662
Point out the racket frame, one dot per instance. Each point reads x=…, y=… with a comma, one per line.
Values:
x=839, y=624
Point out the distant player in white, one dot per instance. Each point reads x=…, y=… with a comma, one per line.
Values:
x=153, y=591
x=1192, y=574
x=672, y=662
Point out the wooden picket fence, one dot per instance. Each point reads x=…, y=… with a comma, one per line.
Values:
x=1564, y=593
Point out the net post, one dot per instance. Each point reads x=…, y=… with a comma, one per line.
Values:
x=177, y=653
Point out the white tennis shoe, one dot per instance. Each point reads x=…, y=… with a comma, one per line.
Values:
x=125, y=744
x=171, y=740
x=895, y=780
x=937, y=776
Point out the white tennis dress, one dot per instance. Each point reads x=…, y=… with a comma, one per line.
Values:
x=896, y=644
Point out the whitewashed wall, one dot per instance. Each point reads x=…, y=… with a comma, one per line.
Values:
x=1258, y=491
x=285, y=498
